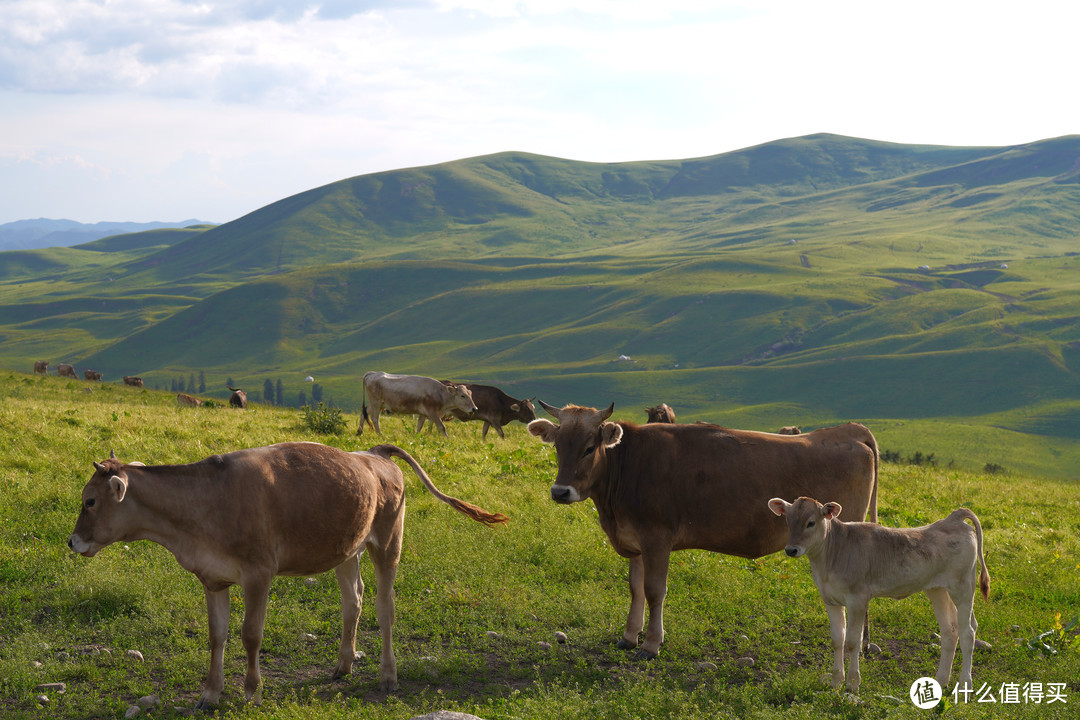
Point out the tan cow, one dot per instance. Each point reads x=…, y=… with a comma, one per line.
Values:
x=662, y=487
x=246, y=516
x=188, y=400
x=854, y=561
x=41, y=367
x=662, y=413
x=65, y=370
x=411, y=395
x=789, y=430
x=133, y=381
x=92, y=375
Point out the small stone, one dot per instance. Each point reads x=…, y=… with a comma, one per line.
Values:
x=492, y=634
x=309, y=637
x=42, y=699
x=706, y=666
x=560, y=637
x=134, y=655
x=1015, y=628
x=311, y=582
x=147, y=701
x=544, y=645
x=57, y=687
x=745, y=662
x=63, y=656
x=358, y=655
x=982, y=644
x=36, y=664
x=935, y=636
x=133, y=711
x=873, y=649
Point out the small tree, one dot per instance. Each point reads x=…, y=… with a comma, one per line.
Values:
x=268, y=392
x=202, y=381
x=316, y=392
x=302, y=400
x=280, y=393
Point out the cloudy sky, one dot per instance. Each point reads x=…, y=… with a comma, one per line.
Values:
x=142, y=110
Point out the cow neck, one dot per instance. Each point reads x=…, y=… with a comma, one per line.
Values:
x=605, y=490
x=832, y=542
x=169, y=497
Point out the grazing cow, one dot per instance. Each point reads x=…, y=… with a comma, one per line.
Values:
x=92, y=375
x=411, y=395
x=133, y=381
x=41, y=367
x=662, y=413
x=246, y=516
x=188, y=400
x=789, y=430
x=854, y=561
x=664, y=487
x=494, y=407
x=65, y=370
x=238, y=399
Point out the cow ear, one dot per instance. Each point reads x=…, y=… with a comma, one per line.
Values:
x=119, y=487
x=830, y=510
x=611, y=434
x=544, y=429
x=515, y=407
x=778, y=506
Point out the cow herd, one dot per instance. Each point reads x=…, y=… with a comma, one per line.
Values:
x=41, y=367
x=304, y=508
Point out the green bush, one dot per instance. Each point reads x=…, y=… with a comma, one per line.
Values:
x=324, y=420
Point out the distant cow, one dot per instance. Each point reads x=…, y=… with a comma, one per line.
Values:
x=789, y=430
x=92, y=375
x=663, y=487
x=662, y=413
x=495, y=408
x=854, y=561
x=246, y=516
x=411, y=395
x=188, y=400
x=65, y=370
x=238, y=399
x=133, y=381
x=41, y=367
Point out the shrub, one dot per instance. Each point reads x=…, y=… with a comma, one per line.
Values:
x=324, y=420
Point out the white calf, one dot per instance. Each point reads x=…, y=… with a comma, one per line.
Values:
x=854, y=561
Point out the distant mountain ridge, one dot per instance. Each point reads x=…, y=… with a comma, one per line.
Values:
x=806, y=281
x=44, y=233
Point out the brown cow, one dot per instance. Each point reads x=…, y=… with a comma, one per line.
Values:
x=411, y=395
x=664, y=487
x=133, y=381
x=789, y=430
x=41, y=367
x=238, y=399
x=188, y=400
x=246, y=516
x=494, y=407
x=65, y=370
x=854, y=561
x=662, y=413
x=92, y=375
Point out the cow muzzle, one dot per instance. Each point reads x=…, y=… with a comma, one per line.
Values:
x=564, y=495
x=77, y=544
x=793, y=550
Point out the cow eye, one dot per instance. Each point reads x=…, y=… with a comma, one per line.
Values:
x=589, y=450
x=90, y=502
x=810, y=524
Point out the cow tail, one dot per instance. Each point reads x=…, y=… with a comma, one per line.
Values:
x=872, y=510
x=984, y=574
x=363, y=410
x=476, y=513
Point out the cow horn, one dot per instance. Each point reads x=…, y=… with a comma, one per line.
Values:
x=552, y=411
x=98, y=466
x=604, y=415
x=112, y=454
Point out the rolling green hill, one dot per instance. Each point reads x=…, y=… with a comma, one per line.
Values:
x=929, y=291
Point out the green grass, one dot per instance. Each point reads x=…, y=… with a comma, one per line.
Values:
x=549, y=570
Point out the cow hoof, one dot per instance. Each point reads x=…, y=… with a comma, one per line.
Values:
x=624, y=645
x=644, y=654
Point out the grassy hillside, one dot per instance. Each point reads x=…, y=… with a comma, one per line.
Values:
x=811, y=280
x=474, y=603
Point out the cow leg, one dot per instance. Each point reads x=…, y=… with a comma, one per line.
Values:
x=635, y=620
x=966, y=608
x=352, y=599
x=838, y=632
x=655, y=565
x=217, y=616
x=437, y=422
x=947, y=612
x=374, y=416
x=853, y=642
x=385, y=560
x=256, y=595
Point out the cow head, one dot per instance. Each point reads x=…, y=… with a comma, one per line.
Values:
x=581, y=440
x=461, y=397
x=524, y=410
x=807, y=522
x=101, y=519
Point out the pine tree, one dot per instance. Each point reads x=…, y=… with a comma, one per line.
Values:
x=202, y=381
x=268, y=392
x=280, y=393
